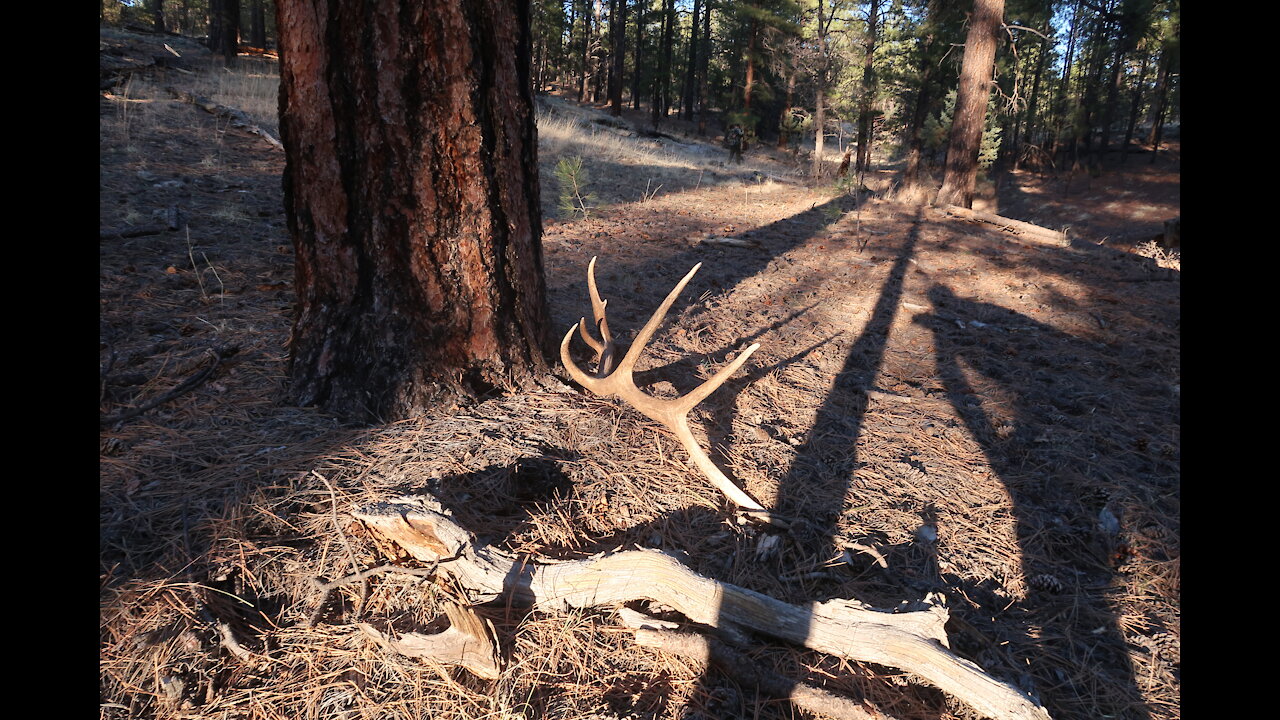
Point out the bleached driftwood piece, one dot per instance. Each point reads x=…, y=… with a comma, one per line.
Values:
x=913, y=641
x=667, y=636
x=468, y=641
x=1026, y=229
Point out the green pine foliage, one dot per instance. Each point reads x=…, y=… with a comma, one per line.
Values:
x=574, y=196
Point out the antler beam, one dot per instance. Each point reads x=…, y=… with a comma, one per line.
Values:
x=673, y=414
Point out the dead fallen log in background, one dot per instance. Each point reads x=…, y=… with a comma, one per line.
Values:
x=1026, y=229
x=913, y=641
x=238, y=118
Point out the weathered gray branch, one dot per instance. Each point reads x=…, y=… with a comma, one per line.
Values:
x=1026, y=229
x=913, y=641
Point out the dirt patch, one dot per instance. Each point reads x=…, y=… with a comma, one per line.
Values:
x=998, y=418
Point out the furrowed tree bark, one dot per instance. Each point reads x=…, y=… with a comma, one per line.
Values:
x=411, y=193
x=961, y=178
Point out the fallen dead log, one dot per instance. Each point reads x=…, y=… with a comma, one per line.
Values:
x=1026, y=229
x=914, y=641
x=238, y=118
x=132, y=232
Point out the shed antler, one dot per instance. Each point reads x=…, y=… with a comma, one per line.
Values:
x=674, y=413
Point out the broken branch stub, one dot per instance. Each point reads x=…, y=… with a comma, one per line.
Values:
x=913, y=641
x=616, y=380
x=469, y=641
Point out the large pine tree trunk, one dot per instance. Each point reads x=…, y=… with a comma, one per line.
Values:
x=411, y=192
x=965, y=140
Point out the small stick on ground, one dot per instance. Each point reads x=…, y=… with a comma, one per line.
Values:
x=219, y=355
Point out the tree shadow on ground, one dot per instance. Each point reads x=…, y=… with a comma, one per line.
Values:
x=1066, y=454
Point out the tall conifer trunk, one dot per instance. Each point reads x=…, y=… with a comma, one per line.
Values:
x=618, y=35
x=965, y=140
x=411, y=193
x=868, y=90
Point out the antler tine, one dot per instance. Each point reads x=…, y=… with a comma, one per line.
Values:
x=673, y=413
x=700, y=393
x=605, y=349
x=596, y=385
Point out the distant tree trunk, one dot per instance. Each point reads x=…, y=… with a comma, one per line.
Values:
x=868, y=90
x=1135, y=106
x=662, y=80
x=1160, y=94
x=691, y=74
x=751, y=66
x=702, y=71
x=618, y=35
x=920, y=113
x=820, y=91
x=1032, y=100
x=635, y=85
x=1062, y=99
x=258, y=24
x=214, y=41
x=819, y=130
x=411, y=194
x=785, y=117
x=668, y=53
x=600, y=68
x=230, y=27
x=157, y=15
x=965, y=140
x=584, y=79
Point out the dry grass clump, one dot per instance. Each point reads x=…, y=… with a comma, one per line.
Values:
x=1170, y=258
x=252, y=85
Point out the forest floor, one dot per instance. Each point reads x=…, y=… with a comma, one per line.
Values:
x=997, y=417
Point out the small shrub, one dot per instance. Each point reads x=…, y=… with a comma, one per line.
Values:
x=574, y=196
